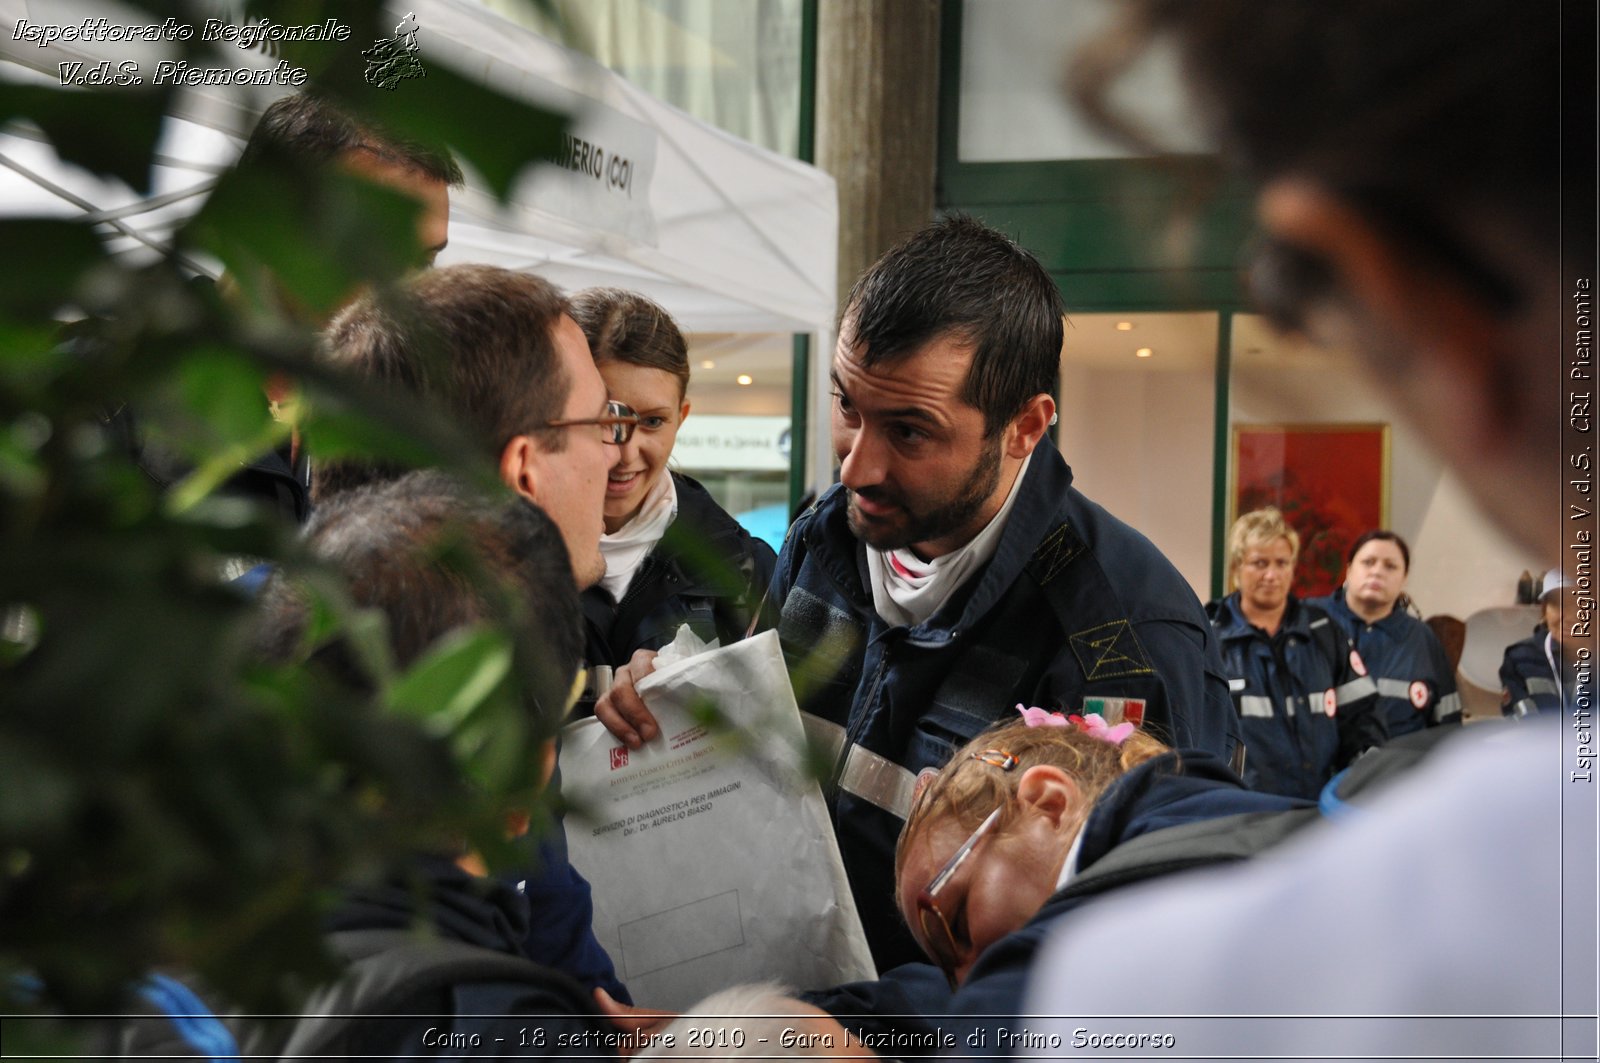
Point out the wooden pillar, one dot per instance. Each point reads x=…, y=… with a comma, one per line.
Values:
x=877, y=121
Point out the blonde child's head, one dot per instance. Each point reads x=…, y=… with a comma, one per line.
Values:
x=987, y=837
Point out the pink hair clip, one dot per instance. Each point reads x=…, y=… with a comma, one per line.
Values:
x=1094, y=725
x=1035, y=717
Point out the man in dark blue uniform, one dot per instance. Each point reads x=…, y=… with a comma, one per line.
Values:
x=954, y=571
x=1537, y=672
x=1305, y=701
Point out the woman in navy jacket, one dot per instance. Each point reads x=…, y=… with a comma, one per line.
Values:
x=1416, y=682
x=1305, y=703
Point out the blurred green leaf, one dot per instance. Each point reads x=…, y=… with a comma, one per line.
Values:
x=44, y=260
x=108, y=131
x=452, y=679
x=226, y=390
x=306, y=242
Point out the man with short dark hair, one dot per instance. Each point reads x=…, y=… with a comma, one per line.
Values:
x=434, y=558
x=955, y=571
x=303, y=132
x=499, y=351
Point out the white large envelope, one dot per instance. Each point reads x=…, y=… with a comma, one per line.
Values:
x=710, y=852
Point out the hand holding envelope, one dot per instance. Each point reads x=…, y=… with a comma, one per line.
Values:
x=709, y=850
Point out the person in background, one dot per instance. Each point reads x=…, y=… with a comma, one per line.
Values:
x=1305, y=703
x=1416, y=684
x=673, y=556
x=307, y=132
x=1538, y=674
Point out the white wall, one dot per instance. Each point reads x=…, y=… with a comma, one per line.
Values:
x=1139, y=443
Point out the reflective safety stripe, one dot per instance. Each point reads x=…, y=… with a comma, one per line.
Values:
x=1525, y=707
x=1317, y=701
x=1355, y=690
x=1538, y=684
x=1256, y=705
x=1236, y=685
x=1449, y=705
x=866, y=774
x=1394, y=688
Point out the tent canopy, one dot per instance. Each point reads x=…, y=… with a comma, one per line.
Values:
x=727, y=236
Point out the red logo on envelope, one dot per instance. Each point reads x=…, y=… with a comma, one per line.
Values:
x=619, y=757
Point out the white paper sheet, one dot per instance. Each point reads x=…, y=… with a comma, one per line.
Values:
x=710, y=852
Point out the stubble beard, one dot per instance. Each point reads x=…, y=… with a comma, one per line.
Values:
x=945, y=519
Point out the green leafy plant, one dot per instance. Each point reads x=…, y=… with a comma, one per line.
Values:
x=165, y=798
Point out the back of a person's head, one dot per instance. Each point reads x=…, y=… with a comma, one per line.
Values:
x=433, y=558
x=472, y=341
x=307, y=128
x=984, y=774
x=759, y=1020
x=959, y=278
x=1438, y=117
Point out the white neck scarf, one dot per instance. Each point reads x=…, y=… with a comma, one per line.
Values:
x=907, y=590
x=626, y=548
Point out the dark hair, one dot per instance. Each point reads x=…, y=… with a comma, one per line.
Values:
x=1426, y=114
x=477, y=340
x=958, y=277
x=1380, y=534
x=624, y=326
x=306, y=127
x=434, y=557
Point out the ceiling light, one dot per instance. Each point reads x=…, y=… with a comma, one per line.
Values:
x=1124, y=326
x=1143, y=352
x=708, y=364
x=745, y=380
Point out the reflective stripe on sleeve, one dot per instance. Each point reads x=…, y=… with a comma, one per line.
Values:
x=1395, y=688
x=1538, y=684
x=1355, y=690
x=1525, y=707
x=1448, y=706
x=1256, y=705
x=866, y=774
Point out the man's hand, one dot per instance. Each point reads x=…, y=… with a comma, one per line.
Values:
x=620, y=708
x=630, y=1019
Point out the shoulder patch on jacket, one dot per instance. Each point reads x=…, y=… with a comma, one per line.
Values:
x=1110, y=650
x=1055, y=552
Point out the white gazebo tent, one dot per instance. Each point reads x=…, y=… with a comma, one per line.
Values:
x=729, y=237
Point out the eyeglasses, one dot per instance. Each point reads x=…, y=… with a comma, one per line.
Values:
x=939, y=940
x=616, y=426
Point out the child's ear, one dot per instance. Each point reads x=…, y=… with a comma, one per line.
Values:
x=1048, y=790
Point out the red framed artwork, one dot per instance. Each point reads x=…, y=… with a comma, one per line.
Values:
x=1330, y=480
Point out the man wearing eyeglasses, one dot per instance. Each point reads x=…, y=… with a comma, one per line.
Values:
x=500, y=352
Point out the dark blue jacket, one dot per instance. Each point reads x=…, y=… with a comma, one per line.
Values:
x=707, y=571
x=1075, y=610
x=1416, y=683
x=1528, y=685
x=1305, y=702
x=1185, y=811
x=471, y=1018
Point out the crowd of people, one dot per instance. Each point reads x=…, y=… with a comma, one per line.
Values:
x=1027, y=710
